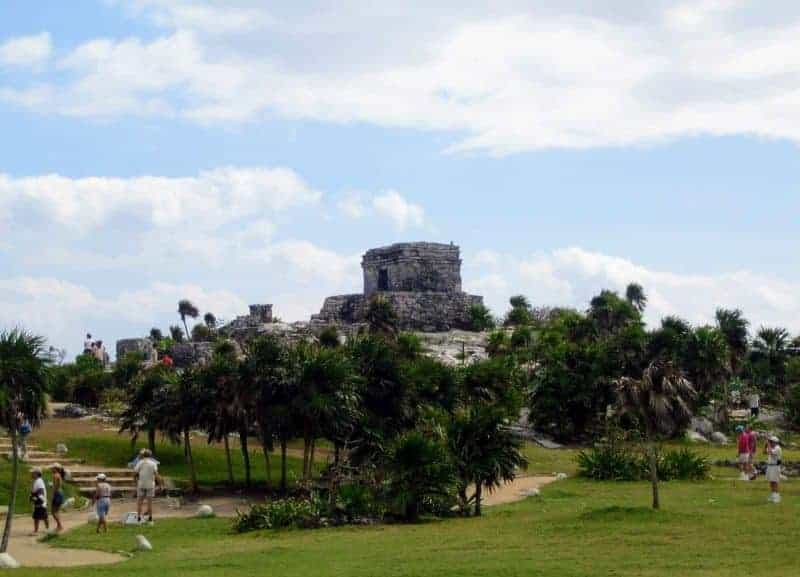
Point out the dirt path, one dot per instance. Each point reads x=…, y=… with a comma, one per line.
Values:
x=31, y=552
x=516, y=490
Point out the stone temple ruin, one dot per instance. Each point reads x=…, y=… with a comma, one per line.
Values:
x=422, y=282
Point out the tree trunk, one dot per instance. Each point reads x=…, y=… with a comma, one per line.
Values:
x=186, y=328
x=306, y=448
x=187, y=447
x=151, y=440
x=12, y=501
x=283, y=465
x=228, y=461
x=267, y=464
x=337, y=450
x=654, y=477
x=478, y=491
x=311, y=459
x=245, y=455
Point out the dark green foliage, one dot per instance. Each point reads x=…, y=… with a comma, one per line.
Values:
x=792, y=404
x=301, y=513
x=176, y=333
x=635, y=295
x=210, y=320
x=619, y=462
x=201, y=333
x=80, y=382
x=480, y=318
x=609, y=313
x=409, y=346
x=421, y=476
x=683, y=465
x=329, y=338
x=187, y=309
x=381, y=316
x=156, y=334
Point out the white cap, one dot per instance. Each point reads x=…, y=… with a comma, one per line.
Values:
x=774, y=439
x=101, y=477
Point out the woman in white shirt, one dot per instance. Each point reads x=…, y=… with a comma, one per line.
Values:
x=774, y=456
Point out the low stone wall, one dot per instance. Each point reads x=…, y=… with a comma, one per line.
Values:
x=185, y=355
x=417, y=311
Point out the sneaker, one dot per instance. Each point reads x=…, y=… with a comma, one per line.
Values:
x=777, y=498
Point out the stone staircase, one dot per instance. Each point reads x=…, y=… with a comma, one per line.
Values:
x=83, y=476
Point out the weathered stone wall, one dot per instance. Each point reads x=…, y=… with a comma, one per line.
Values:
x=412, y=267
x=185, y=355
x=261, y=313
x=417, y=311
x=143, y=346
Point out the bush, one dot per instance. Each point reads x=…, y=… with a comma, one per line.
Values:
x=329, y=338
x=793, y=405
x=480, y=318
x=303, y=513
x=614, y=462
x=112, y=402
x=354, y=500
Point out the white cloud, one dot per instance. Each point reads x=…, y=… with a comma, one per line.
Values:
x=351, y=204
x=211, y=199
x=310, y=262
x=395, y=207
x=28, y=51
x=571, y=276
x=507, y=77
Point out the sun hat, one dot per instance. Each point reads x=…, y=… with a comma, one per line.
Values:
x=101, y=477
x=36, y=471
x=56, y=466
x=774, y=439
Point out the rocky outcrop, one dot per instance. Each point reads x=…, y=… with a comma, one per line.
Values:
x=185, y=355
x=142, y=346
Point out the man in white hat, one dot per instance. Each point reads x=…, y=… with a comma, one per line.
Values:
x=774, y=456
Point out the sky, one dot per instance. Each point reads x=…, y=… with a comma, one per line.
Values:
x=246, y=152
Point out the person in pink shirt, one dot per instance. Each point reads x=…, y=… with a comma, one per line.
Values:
x=744, y=453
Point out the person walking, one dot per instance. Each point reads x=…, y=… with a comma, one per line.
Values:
x=102, y=501
x=39, y=500
x=58, y=494
x=774, y=456
x=88, y=345
x=753, y=451
x=24, y=430
x=146, y=471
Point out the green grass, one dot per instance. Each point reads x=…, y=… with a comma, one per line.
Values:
x=577, y=528
x=209, y=460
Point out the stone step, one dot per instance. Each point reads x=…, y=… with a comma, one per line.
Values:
x=86, y=481
x=47, y=461
x=116, y=491
x=45, y=455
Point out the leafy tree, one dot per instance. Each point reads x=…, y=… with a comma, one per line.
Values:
x=635, y=295
x=498, y=343
x=89, y=379
x=485, y=452
x=24, y=364
x=707, y=363
x=329, y=337
x=419, y=471
x=519, y=301
x=156, y=335
x=658, y=402
x=769, y=356
x=671, y=340
x=732, y=324
x=142, y=410
x=187, y=309
x=520, y=313
x=201, y=333
x=127, y=369
x=480, y=318
x=210, y=320
x=176, y=333
x=609, y=313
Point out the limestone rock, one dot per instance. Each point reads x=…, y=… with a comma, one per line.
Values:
x=719, y=438
x=61, y=449
x=702, y=425
x=142, y=544
x=531, y=493
x=205, y=511
x=561, y=477
x=8, y=562
x=695, y=437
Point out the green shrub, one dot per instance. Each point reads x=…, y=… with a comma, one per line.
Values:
x=793, y=405
x=480, y=318
x=354, y=500
x=615, y=462
x=303, y=513
x=684, y=465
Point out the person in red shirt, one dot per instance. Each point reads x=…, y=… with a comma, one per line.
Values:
x=744, y=453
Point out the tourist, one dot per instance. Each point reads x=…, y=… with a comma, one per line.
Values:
x=24, y=430
x=39, y=500
x=88, y=345
x=753, y=451
x=58, y=494
x=102, y=501
x=146, y=471
x=754, y=400
x=774, y=456
x=744, y=453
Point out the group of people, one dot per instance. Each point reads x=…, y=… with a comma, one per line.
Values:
x=147, y=478
x=748, y=449
x=96, y=349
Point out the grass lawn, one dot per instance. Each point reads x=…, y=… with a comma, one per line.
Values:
x=713, y=528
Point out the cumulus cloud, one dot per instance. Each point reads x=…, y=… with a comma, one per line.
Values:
x=27, y=51
x=504, y=77
x=208, y=200
x=395, y=207
x=571, y=276
x=351, y=204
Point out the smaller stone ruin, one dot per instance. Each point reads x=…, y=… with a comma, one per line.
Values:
x=143, y=346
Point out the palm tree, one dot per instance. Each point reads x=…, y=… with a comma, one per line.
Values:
x=141, y=412
x=770, y=349
x=218, y=378
x=659, y=403
x=732, y=324
x=210, y=320
x=485, y=452
x=635, y=295
x=187, y=309
x=23, y=384
x=176, y=333
x=156, y=335
x=610, y=313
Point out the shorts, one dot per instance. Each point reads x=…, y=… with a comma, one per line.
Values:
x=145, y=491
x=744, y=458
x=103, y=506
x=754, y=412
x=774, y=473
x=40, y=513
x=58, y=500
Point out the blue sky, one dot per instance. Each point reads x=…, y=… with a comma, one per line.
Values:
x=235, y=153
